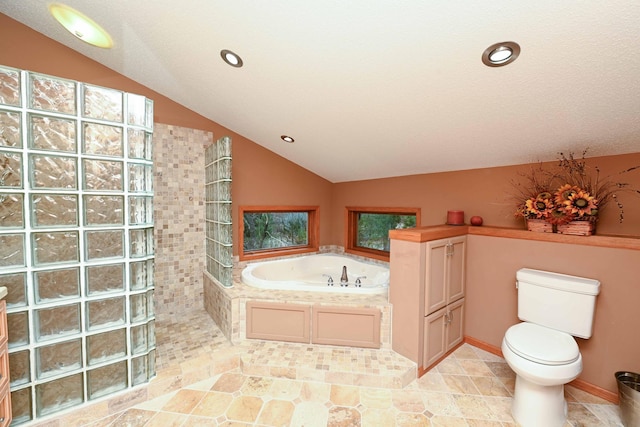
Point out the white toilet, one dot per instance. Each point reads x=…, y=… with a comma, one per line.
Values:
x=541, y=350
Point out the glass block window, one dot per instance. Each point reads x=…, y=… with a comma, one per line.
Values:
x=219, y=239
x=10, y=125
x=52, y=134
x=76, y=240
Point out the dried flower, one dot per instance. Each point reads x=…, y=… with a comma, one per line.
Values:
x=569, y=191
x=538, y=207
x=581, y=203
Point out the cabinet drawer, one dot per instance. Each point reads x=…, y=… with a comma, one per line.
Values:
x=5, y=407
x=4, y=335
x=4, y=367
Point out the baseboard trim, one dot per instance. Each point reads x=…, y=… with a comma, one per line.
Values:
x=595, y=390
x=483, y=346
x=577, y=383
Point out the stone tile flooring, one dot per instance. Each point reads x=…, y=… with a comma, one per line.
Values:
x=283, y=384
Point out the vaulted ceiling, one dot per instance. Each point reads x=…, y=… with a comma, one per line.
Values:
x=374, y=88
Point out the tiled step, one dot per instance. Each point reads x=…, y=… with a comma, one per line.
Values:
x=330, y=364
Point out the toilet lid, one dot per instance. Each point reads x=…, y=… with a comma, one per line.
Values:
x=542, y=345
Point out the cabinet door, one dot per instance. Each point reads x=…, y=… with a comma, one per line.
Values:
x=435, y=294
x=356, y=327
x=454, y=320
x=434, y=345
x=5, y=407
x=5, y=395
x=456, y=268
x=279, y=321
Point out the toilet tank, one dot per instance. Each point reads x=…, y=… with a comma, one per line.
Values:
x=557, y=301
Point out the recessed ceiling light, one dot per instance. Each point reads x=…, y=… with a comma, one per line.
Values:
x=500, y=54
x=80, y=25
x=287, y=138
x=231, y=58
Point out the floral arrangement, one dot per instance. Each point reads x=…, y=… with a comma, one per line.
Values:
x=571, y=191
x=567, y=203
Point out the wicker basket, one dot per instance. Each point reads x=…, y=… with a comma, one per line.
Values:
x=578, y=228
x=539, y=226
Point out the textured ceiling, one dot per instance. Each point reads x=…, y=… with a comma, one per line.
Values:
x=372, y=88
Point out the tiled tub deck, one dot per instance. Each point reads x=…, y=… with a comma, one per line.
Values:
x=227, y=305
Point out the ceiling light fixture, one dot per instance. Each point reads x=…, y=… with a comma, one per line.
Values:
x=500, y=54
x=80, y=25
x=231, y=58
x=287, y=138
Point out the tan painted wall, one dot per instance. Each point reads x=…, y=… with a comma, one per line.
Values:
x=485, y=192
x=259, y=175
x=262, y=178
x=21, y=47
x=491, y=297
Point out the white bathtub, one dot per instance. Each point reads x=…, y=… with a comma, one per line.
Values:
x=307, y=274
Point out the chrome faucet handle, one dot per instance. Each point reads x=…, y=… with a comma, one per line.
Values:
x=358, y=282
x=330, y=280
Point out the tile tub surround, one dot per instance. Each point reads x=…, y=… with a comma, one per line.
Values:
x=201, y=382
x=179, y=217
x=227, y=305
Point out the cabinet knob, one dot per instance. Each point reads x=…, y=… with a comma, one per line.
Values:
x=448, y=318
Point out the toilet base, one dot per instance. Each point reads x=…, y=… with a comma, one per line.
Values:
x=535, y=405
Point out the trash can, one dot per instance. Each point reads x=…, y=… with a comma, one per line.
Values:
x=629, y=393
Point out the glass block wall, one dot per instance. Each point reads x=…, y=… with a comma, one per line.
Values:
x=76, y=240
x=219, y=247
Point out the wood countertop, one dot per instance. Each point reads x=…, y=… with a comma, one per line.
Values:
x=435, y=232
x=425, y=234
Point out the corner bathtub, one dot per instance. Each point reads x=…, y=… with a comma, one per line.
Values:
x=306, y=274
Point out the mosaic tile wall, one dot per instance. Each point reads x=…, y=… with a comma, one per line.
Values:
x=219, y=306
x=179, y=217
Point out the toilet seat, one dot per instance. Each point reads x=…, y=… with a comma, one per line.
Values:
x=541, y=344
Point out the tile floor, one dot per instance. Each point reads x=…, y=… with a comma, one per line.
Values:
x=278, y=384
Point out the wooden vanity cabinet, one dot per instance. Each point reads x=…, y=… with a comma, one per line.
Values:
x=427, y=288
x=444, y=297
x=5, y=395
x=443, y=331
x=445, y=272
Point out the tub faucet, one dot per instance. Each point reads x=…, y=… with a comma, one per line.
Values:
x=358, y=282
x=329, y=280
x=344, y=280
